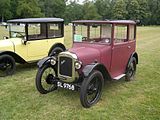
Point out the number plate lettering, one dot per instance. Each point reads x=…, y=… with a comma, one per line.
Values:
x=66, y=86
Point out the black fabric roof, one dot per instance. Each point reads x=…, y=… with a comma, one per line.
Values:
x=35, y=20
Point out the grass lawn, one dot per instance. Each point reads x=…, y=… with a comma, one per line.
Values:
x=136, y=100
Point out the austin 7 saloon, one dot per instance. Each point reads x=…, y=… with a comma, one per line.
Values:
x=102, y=50
x=30, y=40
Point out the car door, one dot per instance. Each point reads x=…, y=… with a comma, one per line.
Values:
x=37, y=44
x=37, y=48
x=120, y=51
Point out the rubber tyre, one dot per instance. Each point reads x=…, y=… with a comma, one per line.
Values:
x=129, y=77
x=38, y=80
x=85, y=85
x=55, y=51
x=11, y=61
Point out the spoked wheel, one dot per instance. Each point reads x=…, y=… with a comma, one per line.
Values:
x=131, y=70
x=7, y=65
x=46, y=79
x=56, y=51
x=91, y=89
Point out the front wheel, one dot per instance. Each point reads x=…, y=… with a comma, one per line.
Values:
x=46, y=79
x=91, y=89
x=7, y=65
x=131, y=70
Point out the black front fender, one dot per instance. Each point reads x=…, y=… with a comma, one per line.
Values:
x=17, y=58
x=88, y=69
x=96, y=66
x=44, y=61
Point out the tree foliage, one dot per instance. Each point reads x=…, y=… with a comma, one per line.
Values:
x=147, y=11
x=90, y=11
x=28, y=8
x=5, y=7
x=73, y=11
x=119, y=10
x=104, y=8
x=154, y=7
x=53, y=8
x=133, y=10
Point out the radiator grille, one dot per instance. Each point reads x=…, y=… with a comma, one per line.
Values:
x=65, y=66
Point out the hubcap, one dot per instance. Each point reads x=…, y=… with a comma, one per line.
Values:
x=48, y=79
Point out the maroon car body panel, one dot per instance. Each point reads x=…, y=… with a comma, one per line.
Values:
x=89, y=53
x=114, y=56
x=120, y=57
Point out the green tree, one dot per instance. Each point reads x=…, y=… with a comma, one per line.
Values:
x=90, y=11
x=5, y=6
x=74, y=11
x=28, y=8
x=158, y=13
x=14, y=6
x=119, y=10
x=104, y=8
x=133, y=10
x=154, y=7
x=144, y=12
x=53, y=8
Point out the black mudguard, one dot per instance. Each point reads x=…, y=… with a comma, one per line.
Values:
x=96, y=66
x=88, y=69
x=44, y=61
x=130, y=59
x=133, y=55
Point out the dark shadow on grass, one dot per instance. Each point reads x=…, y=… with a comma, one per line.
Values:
x=114, y=86
x=66, y=97
x=74, y=96
x=25, y=67
x=110, y=83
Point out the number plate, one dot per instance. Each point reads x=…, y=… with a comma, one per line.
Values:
x=65, y=86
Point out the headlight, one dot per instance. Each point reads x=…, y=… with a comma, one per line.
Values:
x=78, y=65
x=53, y=61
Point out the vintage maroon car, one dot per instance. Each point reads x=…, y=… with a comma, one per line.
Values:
x=102, y=50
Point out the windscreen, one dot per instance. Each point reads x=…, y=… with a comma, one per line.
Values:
x=100, y=33
x=17, y=30
x=4, y=32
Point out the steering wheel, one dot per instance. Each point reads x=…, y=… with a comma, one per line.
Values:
x=84, y=38
x=20, y=34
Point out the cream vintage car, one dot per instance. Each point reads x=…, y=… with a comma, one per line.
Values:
x=30, y=40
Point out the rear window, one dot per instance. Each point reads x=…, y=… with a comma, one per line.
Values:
x=132, y=32
x=120, y=33
x=55, y=30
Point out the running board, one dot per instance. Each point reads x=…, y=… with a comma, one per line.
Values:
x=119, y=77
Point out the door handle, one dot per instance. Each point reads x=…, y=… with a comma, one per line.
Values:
x=129, y=47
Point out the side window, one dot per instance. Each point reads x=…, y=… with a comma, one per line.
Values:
x=36, y=31
x=106, y=31
x=132, y=32
x=94, y=31
x=120, y=34
x=55, y=30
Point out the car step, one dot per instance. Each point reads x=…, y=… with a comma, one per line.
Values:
x=119, y=77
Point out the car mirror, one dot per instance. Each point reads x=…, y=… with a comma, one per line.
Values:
x=24, y=40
